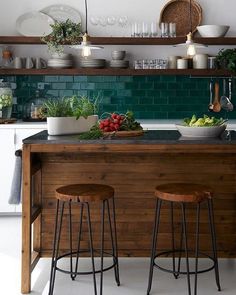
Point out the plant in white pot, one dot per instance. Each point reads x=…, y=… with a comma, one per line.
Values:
x=70, y=115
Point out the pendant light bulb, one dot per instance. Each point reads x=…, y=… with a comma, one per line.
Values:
x=86, y=51
x=191, y=49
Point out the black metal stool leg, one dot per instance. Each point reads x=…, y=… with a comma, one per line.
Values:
x=113, y=242
x=154, y=243
x=70, y=240
x=91, y=248
x=180, y=252
x=213, y=240
x=56, y=244
x=79, y=240
x=102, y=246
x=186, y=246
x=173, y=238
x=197, y=247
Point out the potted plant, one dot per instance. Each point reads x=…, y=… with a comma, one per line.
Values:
x=70, y=115
x=226, y=59
x=66, y=32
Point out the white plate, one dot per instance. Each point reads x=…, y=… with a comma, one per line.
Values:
x=62, y=12
x=34, y=24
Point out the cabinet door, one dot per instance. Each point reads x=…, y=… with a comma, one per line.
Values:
x=20, y=135
x=7, y=162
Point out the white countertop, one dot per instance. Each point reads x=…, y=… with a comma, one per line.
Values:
x=155, y=124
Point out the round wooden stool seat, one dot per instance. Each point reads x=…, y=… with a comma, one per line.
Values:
x=183, y=192
x=84, y=192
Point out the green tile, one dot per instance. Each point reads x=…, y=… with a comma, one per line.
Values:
x=174, y=86
x=168, y=78
x=153, y=78
x=125, y=78
x=124, y=92
x=67, y=93
x=166, y=93
x=50, y=79
x=66, y=79
x=146, y=101
x=88, y=86
x=146, y=85
x=80, y=78
x=109, y=78
x=58, y=85
x=95, y=79
x=37, y=78
x=160, y=86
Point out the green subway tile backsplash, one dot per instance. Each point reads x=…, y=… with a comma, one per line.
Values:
x=149, y=97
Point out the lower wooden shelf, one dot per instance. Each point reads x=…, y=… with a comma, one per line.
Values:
x=116, y=72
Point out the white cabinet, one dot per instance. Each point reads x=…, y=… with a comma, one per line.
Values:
x=10, y=141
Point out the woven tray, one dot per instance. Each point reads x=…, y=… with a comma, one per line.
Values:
x=177, y=11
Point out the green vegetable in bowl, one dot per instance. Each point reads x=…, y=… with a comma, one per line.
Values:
x=204, y=121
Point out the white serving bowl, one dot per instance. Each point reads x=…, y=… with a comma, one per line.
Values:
x=213, y=31
x=211, y=131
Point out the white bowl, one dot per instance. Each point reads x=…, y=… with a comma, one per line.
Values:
x=213, y=31
x=210, y=131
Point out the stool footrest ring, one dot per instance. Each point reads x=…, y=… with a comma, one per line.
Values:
x=115, y=261
x=183, y=272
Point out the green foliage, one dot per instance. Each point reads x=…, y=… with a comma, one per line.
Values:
x=205, y=121
x=83, y=106
x=62, y=32
x=226, y=59
x=94, y=133
x=70, y=107
x=57, y=108
x=129, y=122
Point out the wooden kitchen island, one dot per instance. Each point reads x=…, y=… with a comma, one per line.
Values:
x=133, y=166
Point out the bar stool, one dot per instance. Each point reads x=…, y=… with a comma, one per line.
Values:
x=182, y=194
x=83, y=195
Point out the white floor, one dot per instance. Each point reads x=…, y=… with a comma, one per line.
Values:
x=133, y=273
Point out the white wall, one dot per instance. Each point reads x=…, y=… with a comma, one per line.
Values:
x=214, y=12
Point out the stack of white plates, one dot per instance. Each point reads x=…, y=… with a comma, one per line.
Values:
x=119, y=64
x=92, y=63
x=62, y=61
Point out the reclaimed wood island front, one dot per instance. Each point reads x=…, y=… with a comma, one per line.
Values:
x=133, y=166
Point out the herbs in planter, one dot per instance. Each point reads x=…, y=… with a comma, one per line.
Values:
x=62, y=33
x=226, y=59
x=70, y=107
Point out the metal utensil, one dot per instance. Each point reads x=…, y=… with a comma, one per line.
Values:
x=225, y=101
x=216, y=102
x=210, y=106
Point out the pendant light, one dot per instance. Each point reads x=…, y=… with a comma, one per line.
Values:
x=190, y=44
x=86, y=45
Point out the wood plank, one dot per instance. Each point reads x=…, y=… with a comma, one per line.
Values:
x=26, y=222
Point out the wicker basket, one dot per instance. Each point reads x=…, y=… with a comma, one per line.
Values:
x=177, y=11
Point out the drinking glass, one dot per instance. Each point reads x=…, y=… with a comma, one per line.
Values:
x=153, y=29
x=103, y=21
x=122, y=21
x=172, y=30
x=137, y=29
x=94, y=20
x=164, y=30
x=152, y=64
x=111, y=20
x=145, y=29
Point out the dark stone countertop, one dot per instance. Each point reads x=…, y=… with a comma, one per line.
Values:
x=149, y=137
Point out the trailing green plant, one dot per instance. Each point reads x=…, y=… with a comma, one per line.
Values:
x=226, y=59
x=74, y=106
x=62, y=33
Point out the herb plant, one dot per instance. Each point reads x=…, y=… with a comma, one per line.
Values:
x=57, y=108
x=83, y=106
x=226, y=59
x=62, y=33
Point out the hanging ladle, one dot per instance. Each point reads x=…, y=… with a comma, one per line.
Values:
x=216, y=102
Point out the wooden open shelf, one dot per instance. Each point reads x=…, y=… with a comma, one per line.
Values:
x=125, y=40
x=116, y=72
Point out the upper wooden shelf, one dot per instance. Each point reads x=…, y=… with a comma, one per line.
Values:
x=116, y=72
x=125, y=40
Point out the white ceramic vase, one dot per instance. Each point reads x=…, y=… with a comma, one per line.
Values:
x=69, y=125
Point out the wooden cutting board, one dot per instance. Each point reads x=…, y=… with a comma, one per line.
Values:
x=130, y=133
x=7, y=121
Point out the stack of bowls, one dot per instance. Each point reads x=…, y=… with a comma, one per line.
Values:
x=60, y=61
x=118, y=59
x=92, y=63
